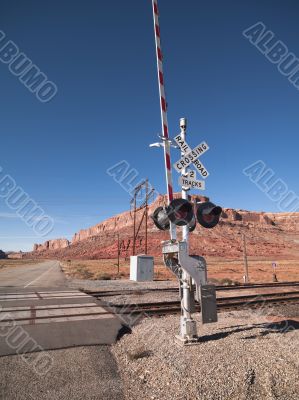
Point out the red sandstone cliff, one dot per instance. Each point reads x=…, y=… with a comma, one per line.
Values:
x=51, y=245
x=268, y=234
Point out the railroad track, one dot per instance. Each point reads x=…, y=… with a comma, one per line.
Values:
x=223, y=304
x=125, y=292
x=257, y=285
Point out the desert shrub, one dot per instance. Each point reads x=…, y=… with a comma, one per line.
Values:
x=85, y=274
x=213, y=281
x=229, y=282
x=82, y=272
x=103, y=277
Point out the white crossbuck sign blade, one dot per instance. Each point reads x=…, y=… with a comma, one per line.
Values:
x=191, y=156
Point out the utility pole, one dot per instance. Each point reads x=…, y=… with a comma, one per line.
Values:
x=274, y=276
x=143, y=186
x=188, y=324
x=134, y=226
x=146, y=213
x=246, y=275
x=118, y=253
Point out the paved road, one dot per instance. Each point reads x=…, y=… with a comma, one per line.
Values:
x=43, y=274
x=40, y=313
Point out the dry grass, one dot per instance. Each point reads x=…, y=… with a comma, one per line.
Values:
x=9, y=263
x=219, y=271
x=107, y=269
x=259, y=270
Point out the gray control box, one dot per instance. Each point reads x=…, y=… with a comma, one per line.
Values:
x=141, y=268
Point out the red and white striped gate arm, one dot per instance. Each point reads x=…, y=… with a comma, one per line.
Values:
x=163, y=106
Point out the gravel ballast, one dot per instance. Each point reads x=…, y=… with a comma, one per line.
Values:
x=121, y=284
x=243, y=356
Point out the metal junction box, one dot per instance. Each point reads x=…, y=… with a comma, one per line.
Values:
x=141, y=268
x=208, y=304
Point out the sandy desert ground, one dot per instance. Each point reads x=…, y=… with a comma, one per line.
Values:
x=10, y=263
x=219, y=270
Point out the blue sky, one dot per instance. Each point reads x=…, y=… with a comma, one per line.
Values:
x=101, y=56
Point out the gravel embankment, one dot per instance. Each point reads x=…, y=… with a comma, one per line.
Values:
x=88, y=373
x=121, y=284
x=138, y=298
x=243, y=356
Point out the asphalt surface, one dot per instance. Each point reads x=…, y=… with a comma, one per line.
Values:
x=43, y=274
x=39, y=303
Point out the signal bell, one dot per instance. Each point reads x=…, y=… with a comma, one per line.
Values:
x=208, y=214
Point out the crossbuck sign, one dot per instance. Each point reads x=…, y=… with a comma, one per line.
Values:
x=191, y=157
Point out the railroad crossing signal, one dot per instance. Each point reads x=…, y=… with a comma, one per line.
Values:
x=181, y=212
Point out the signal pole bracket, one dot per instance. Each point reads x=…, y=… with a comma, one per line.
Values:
x=195, y=266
